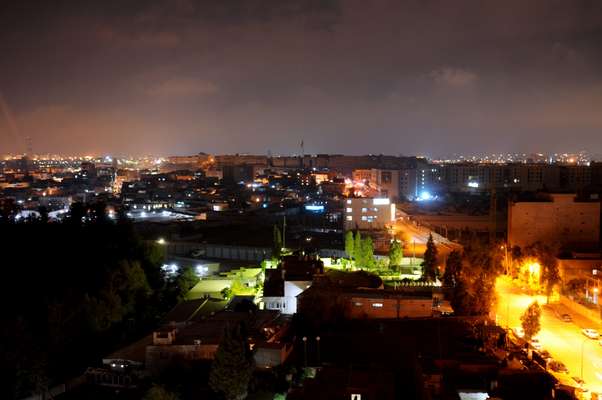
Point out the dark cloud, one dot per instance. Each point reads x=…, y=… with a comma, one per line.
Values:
x=415, y=76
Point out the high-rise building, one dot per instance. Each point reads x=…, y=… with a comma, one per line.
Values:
x=560, y=220
x=368, y=213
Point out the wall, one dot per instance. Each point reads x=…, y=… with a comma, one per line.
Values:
x=161, y=357
x=562, y=221
x=363, y=307
x=577, y=308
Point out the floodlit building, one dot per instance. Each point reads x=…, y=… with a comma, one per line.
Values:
x=561, y=220
x=386, y=181
x=368, y=213
x=282, y=285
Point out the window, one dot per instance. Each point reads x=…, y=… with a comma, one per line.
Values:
x=357, y=304
x=364, y=209
x=349, y=218
x=349, y=209
x=377, y=305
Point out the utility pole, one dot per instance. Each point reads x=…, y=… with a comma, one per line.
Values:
x=284, y=231
x=305, y=351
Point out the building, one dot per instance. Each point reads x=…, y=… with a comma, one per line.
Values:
x=385, y=181
x=560, y=220
x=377, y=303
x=179, y=345
x=368, y=213
x=293, y=275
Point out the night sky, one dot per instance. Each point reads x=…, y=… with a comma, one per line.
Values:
x=395, y=77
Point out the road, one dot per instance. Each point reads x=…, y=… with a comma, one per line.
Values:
x=563, y=340
x=415, y=237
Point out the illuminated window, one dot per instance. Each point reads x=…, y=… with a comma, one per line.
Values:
x=357, y=304
x=349, y=209
x=381, y=201
x=364, y=209
x=348, y=201
x=349, y=218
x=377, y=305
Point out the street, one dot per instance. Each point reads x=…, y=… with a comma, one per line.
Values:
x=563, y=340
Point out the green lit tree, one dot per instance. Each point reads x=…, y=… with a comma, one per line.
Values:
x=186, y=279
x=277, y=251
x=453, y=268
x=429, y=264
x=367, y=252
x=232, y=368
x=349, y=244
x=395, y=255
x=357, y=247
x=530, y=320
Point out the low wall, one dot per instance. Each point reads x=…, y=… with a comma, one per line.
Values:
x=575, y=307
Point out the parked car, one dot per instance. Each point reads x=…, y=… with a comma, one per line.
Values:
x=566, y=318
x=557, y=366
x=197, y=253
x=579, y=382
x=519, y=332
x=590, y=333
x=536, y=344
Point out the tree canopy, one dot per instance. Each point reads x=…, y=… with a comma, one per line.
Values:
x=429, y=265
x=395, y=255
x=453, y=269
x=349, y=244
x=530, y=320
x=232, y=367
x=82, y=280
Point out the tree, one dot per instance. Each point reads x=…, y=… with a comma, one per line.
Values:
x=395, y=255
x=546, y=256
x=474, y=290
x=368, y=252
x=277, y=242
x=357, y=246
x=233, y=364
x=185, y=280
x=429, y=265
x=158, y=392
x=453, y=268
x=349, y=244
x=530, y=320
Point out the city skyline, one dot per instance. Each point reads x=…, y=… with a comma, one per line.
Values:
x=429, y=78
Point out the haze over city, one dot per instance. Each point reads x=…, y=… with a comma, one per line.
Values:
x=351, y=77
x=301, y=200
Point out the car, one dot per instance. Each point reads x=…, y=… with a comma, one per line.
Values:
x=557, y=366
x=578, y=381
x=566, y=318
x=590, y=333
x=519, y=332
x=197, y=253
x=536, y=344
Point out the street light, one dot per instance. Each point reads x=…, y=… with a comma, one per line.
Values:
x=318, y=344
x=582, y=346
x=305, y=350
